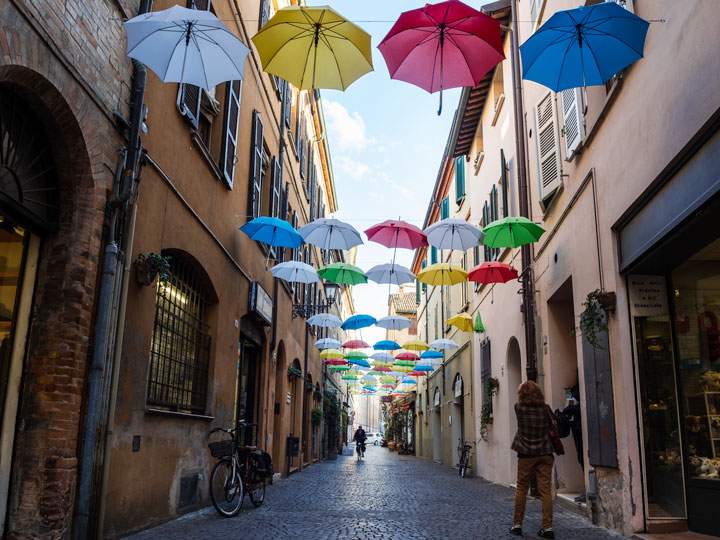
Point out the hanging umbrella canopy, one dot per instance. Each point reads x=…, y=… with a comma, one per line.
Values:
x=356, y=344
x=355, y=355
x=332, y=353
x=360, y=362
x=408, y=380
x=187, y=46
x=396, y=373
x=314, y=47
x=340, y=367
x=512, y=232
x=273, y=231
x=393, y=274
x=329, y=233
x=478, y=327
x=382, y=357
x=492, y=272
x=349, y=377
x=336, y=362
x=422, y=366
x=387, y=378
x=463, y=321
x=358, y=321
x=584, y=46
x=444, y=344
x=342, y=273
x=327, y=320
x=431, y=354
x=388, y=385
x=386, y=344
x=381, y=368
x=415, y=345
x=407, y=355
x=417, y=373
x=295, y=272
x=369, y=378
x=403, y=366
x=397, y=234
x=394, y=322
x=442, y=274
x=327, y=343
x=451, y=233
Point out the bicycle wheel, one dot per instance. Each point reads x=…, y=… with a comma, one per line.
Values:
x=463, y=465
x=257, y=493
x=226, y=488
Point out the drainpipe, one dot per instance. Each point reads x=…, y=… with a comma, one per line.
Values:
x=528, y=289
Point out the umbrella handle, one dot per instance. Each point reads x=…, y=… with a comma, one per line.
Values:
x=440, y=109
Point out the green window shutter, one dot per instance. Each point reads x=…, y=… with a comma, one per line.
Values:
x=459, y=178
x=504, y=184
x=445, y=208
x=423, y=264
x=486, y=221
x=433, y=255
x=417, y=292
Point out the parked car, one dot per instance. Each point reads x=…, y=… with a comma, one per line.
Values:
x=373, y=438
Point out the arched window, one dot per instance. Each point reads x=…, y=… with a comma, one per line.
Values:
x=180, y=346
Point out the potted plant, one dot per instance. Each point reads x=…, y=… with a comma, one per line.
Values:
x=148, y=266
x=293, y=372
x=486, y=418
x=316, y=416
x=308, y=386
x=317, y=394
x=592, y=320
x=493, y=384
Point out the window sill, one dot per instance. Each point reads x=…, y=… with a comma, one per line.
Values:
x=191, y=416
x=204, y=152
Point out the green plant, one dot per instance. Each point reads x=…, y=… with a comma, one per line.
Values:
x=332, y=419
x=592, y=319
x=308, y=385
x=157, y=265
x=317, y=394
x=492, y=387
x=486, y=419
x=294, y=372
x=316, y=416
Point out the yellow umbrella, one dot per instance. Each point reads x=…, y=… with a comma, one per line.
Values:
x=416, y=345
x=442, y=274
x=314, y=47
x=331, y=353
x=463, y=321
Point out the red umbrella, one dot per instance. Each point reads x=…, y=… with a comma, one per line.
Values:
x=336, y=361
x=407, y=356
x=492, y=272
x=397, y=234
x=418, y=374
x=443, y=45
x=355, y=344
x=381, y=368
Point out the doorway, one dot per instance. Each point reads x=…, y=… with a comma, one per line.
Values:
x=457, y=416
x=246, y=400
x=514, y=378
x=437, y=430
x=278, y=436
x=296, y=394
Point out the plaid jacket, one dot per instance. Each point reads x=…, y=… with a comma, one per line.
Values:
x=532, y=435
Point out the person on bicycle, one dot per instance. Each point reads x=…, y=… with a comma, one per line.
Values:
x=359, y=439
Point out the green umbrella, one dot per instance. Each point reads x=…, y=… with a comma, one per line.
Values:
x=339, y=368
x=355, y=355
x=511, y=232
x=478, y=326
x=343, y=273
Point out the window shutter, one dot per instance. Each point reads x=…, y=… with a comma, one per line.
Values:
x=286, y=202
x=547, y=144
x=459, y=178
x=485, y=369
x=312, y=195
x=319, y=203
x=573, y=128
x=417, y=292
x=494, y=215
x=301, y=144
x=423, y=264
x=191, y=94
x=264, y=13
x=534, y=11
x=433, y=255
x=504, y=184
x=288, y=104
x=445, y=208
x=310, y=167
x=231, y=117
x=276, y=188
x=487, y=252
x=203, y=5
x=256, y=149
x=298, y=110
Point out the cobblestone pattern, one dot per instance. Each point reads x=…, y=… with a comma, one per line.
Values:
x=386, y=496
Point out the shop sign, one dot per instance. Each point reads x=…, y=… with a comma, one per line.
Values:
x=260, y=302
x=648, y=296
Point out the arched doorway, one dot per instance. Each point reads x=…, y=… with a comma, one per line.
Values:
x=436, y=429
x=295, y=380
x=457, y=416
x=307, y=429
x=514, y=378
x=278, y=435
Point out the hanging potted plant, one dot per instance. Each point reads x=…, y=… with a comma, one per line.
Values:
x=293, y=373
x=592, y=320
x=308, y=386
x=316, y=416
x=148, y=266
x=317, y=395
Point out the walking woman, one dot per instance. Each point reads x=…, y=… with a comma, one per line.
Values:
x=535, y=453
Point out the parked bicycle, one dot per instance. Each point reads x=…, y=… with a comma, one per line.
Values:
x=240, y=469
x=464, y=455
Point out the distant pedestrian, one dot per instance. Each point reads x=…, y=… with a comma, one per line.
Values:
x=359, y=439
x=535, y=453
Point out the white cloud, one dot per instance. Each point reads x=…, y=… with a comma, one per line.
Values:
x=347, y=129
x=405, y=192
x=354, y=169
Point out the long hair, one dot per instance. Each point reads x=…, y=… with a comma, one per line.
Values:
x=529, y=393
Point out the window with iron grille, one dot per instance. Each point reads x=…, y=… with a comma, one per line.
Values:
x=180, y=345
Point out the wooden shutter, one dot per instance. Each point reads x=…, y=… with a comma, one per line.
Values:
x=256, y=150
x=191, y=94
x=573, y=122
x=485, y=367
x=288, y=104
x=487, y=252
x=445, y=208
x=423, y=264
x=276, y=185
x=199, y=4
x=298, y=111
x=231, y=117
x=313, y=202
x=310, y=167
x=433, y=255
x=286, y=202
x=459, y=178
x=319, y=203
x=547, y=144
x=417, y=292
x=504, y=184
x=301, y=144
x=264, y=13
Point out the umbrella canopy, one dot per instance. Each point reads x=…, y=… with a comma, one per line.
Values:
x=369, y=377
x=386, y=344
x=397, y=234
x=431, y=354
x=423, y=367
x=444, y=344
x=492, y=272
x=382, y=357
x=356, y=344
x=451, y=233
x=360, y=362
x=394, y=322
x=584, y=46
x=349, y=377
x=442, y=274
x=408, y=380
x=358, y=321
x=380, y=368
x=187, y=46
x=327, y=343
x=343, y=273
x=332, y=353
x=407, y=355
x=354, y=355
x=512, y=232
x=295, y=272
x=329, y=233
x=478, y=326
x=273, y=231
x=463, y=321
x=314, y=47
x=415, y=345
x=403, y=366
x=336, y=362
x=391, y=273
x=417, y=373
x=443, y=45
x=327, y=320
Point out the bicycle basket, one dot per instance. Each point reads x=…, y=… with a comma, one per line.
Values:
x=220, y=449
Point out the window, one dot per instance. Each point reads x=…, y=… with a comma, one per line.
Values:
x=464, y=284
x=498, y=93
x=417, y=292
x=310, y=175
x=287, y=96
x=459, y=179
x=301, y=144
x=191, y=95
x=276, y=186
x=535, y=12
x=504, y=184
x=231, y=118
x=573, y=120
x=448, y=303
x=313, y=201
x=433, y=255
x=264, y=13
x=445, y=208
x=423, y=264
x=180, y=344
x=547, y=143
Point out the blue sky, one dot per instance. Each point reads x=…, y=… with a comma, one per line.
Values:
x=386, y=141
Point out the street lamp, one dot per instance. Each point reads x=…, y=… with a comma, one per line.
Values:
x=306, y=310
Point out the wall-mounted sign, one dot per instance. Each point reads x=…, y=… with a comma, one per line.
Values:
x=287, y=398
x=260, y=302
x=648, y=296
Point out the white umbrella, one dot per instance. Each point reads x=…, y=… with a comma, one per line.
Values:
x=390, y=273
x=443, y=344
x=451, y=233
x=295, y=272
x=394, y=322
x=324, y=319
x=368, y=377
x=382, y=357
x=187, y=46
x=328, y=343
x=330, y=233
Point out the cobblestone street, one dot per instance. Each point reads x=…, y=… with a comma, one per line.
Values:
x=385, y=496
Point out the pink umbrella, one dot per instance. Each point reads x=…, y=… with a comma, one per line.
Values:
x=355, y=344
x=443, y=45
x=418, y=374
x=397, y=234
x=407, y=356
x=335, y=361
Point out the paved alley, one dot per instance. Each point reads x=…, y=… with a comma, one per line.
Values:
x=385, y=496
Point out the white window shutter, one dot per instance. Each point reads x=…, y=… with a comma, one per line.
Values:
x=548, y=147
x=573, y=122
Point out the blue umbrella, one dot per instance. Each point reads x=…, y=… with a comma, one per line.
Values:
x=423, y=367
x=358, y=362
x=386, y=345
x=431, y=354
x=273, y=231
x=358, y=321
x=584, y=46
